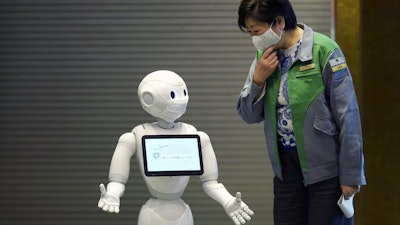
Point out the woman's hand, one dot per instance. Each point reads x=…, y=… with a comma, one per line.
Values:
x=349, y=190
x=266, y=65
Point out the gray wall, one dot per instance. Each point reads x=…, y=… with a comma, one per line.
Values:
x=69, y=70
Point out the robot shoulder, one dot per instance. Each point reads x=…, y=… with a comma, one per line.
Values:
x=203, y=135
x=187, y=128
x=127, y=139
x=204, y=138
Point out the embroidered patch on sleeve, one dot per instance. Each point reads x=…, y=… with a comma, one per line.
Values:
x=338, y=64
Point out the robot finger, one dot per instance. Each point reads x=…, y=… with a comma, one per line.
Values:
x=248, y=210
x=242, y=220
x=236, y=221
x=101, y=204
x=246, y=216
x=102, y=189
x=238, y=197
x=113, y=209
x=106, y=208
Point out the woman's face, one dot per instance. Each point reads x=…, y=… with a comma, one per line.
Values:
x=255, y=27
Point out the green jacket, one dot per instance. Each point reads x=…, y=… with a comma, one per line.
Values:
x=324, y=110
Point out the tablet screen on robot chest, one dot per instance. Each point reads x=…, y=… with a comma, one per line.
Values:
x=172, y=155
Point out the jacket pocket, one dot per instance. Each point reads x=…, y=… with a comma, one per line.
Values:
x=308, y=73
x=326, y=126
x=309, y=77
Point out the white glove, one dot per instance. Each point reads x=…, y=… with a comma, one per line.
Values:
x=109, y=199
x=237, y=210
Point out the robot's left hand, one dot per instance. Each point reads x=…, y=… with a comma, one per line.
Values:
x=109, y=201
x=238, y=210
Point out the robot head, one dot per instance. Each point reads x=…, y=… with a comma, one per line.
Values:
x=163, y=94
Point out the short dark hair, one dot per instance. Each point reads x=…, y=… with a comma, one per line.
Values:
x=266, y=11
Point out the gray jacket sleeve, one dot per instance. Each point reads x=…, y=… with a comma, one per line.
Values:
x=342, y=100
x=251, y=110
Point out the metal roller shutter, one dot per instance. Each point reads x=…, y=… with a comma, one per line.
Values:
x=69, y=70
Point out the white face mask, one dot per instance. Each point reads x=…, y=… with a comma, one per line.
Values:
x=266, y=40
x=174, y=110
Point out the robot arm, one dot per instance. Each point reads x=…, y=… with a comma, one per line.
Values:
x=120, y=163
x=236, y=209
x=119, y=173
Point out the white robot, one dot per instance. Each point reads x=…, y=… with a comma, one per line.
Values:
x=163, y=94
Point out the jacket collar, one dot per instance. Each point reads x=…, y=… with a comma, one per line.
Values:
x=305, y=51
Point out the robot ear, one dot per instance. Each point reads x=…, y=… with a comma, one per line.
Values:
x=147, y=98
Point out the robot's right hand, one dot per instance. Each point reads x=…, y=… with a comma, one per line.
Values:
x=110, y=199
x=238, y=210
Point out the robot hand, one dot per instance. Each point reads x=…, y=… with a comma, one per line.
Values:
x=238, y=211
x=109, y=199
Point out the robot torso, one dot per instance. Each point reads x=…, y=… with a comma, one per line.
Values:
x=162, y=187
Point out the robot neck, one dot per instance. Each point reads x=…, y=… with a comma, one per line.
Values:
x=164, y=124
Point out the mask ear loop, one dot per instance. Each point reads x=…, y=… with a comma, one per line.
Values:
x=272, y=24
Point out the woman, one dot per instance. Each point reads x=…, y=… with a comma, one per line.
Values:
x=300, y=86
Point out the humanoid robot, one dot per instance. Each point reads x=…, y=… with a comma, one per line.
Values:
x=163, y=94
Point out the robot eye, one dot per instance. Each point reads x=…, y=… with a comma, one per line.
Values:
x=174, y=94
x=185, y=92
